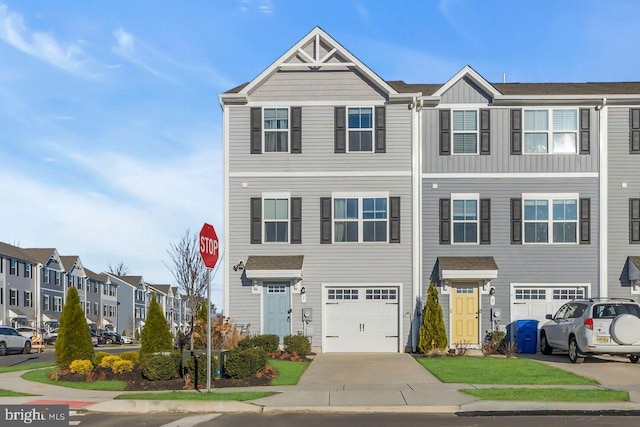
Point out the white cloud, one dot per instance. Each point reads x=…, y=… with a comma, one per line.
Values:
x=69, y=57
x=127, y=48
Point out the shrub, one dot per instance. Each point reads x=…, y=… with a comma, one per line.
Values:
x=97, y=358
x=268, y=342
x=120, y=366
x=160, y=366
x=297, y=344
x=80, y=367
x=155, y=336
x=74, y=339
x=243, y=363
x=130, y=355
x=108, y=361
x=432, y=332
x=494, y=342
x=200, y=361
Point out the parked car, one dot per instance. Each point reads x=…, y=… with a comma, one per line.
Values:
x=594, y=326
x=51, y=336
x=111, y=337
x=27, y=331
x=96, y=339
x=127, y=340
x=11, y=340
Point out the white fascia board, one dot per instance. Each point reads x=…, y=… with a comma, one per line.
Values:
x=273, y=274
x=234, y=97
x=468, y=274
x=471, y=74
x=317, y=31
x=565, y=99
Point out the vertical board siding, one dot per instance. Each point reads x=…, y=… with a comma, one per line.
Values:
x=318, y=145
x=465, y=92
x=623, y=168
x=500, y=160
x=334, y=263
x=517, y=264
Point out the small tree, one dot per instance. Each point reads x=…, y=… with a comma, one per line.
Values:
x=155, y=335
x=199, y=335
x=432, y=332
x=74, y=339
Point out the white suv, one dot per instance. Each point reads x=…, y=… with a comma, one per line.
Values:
x=594, y=326
x=11, y=340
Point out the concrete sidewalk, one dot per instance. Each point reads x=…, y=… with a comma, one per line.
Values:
x=362, y=383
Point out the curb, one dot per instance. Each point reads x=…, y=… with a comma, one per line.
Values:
x=171, y=406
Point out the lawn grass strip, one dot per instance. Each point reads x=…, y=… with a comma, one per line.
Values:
x=530, y=394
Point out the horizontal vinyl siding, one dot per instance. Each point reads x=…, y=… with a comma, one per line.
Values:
x=465, y=92
x=327, y=85
x=516, y=263
x=318, y=145
x=500, y=160
x=378, y=263
x=623, y=167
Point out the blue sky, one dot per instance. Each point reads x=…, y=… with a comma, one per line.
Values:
x=110, y=126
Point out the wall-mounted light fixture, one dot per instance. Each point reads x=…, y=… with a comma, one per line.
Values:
x=303, y=290
x=239, y=266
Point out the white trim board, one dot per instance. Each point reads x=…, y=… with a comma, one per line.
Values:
x=511, y=175
x=320, y=174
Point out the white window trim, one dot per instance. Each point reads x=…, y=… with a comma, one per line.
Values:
x=57, y=304
x=265, y=131
x=360, y=221
x=30, y=299
x=373, y=128
x=13, y=267
x=550, y=131
x=550, y=197
x=264, y=228
x=476, y=132
x=46, y=303
x=466, y=196
x=13, y=291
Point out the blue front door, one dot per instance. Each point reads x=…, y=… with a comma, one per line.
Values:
x=277, y=303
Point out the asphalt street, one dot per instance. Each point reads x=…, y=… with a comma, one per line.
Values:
x=49, y=356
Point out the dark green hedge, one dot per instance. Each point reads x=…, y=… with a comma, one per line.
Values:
x=160, y=366
x=297, y=343
x=268, y=342
x=244, y=363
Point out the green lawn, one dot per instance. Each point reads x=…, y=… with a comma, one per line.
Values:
x=9, y=393
x=26, y=366
x=494, y=370
x=41, y=377
x=549, y=394
x=289, y=372
x=187, y=395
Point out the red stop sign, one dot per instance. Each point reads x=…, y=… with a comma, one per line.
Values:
x=209, y=245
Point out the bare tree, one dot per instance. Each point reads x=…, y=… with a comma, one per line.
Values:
x=188, y=270
x=120, y=269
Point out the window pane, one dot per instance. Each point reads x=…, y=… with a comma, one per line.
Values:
x=352, y=232
x=360, y=118
x=564, y=143
x=465, y=120
x=565, y=210
x=374, y=231
x=458, y=210
x=464, y=143
x=471, y=210
x=374, y=208
x=276, y=142
x=565, y=120
x=276, y=118
x=346, y=232
x=536, y=120
x=270, y=231
x=465, y=232
x=564, y=232
x=352, y=208
x=282, y=209
x=536, y=210
x=281, y=231
x=535, y=143
x=269, y=208
x=381, y=207
x=360, y=140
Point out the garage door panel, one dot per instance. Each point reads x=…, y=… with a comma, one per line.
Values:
x=535, y=302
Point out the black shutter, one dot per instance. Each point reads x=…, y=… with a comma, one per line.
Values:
x=445, y=221
x=381, y=133
x=485, y=132
x=585, y=221
x=256, y=220
x=485, y=221
x=296, y=220
x=325, y=220
x=634, y=131
x=516, y=131
x=256, y=130
x=585, y=131
x=340, y=135
x=296, y=130
x=445, y=132
x=516, y=221
x=394, y=219
x=634, y=220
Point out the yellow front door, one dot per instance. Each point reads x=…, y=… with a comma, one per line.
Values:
x=464, y=318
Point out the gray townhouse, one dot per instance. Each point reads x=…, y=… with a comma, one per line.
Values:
x=346, y=196
x=51, y=286
x=170, y=304
x=18, y=271
x=102, y=296
x=125, y=305
x=76, y=276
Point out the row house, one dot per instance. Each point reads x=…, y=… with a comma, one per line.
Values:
x=346, y=196
x=17, y=286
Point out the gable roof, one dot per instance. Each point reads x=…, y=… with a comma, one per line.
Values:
x=162, y=288
x=69, y=260
x=468, y=73
x=131, y=280
x=100, y=277
x=16, y=252
x=42, y=255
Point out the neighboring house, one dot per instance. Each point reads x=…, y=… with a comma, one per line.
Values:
x=76, y=276
x=165, y=297
x=347, y=195
x=125, y=302
x=18, y=270
x=102, y=296
x=51, y=286
x=141, y=299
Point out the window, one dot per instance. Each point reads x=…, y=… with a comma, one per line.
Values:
x=360, y=129
x=104, y=289
x=79, y=283
x=112, y=290
x=464, y=289
x=276, y=219
x=27, y=270
x=27, y=302
x=334, y=294
x=13, y=297
x=46, y=303
x=87, y=308
x=276, y=130
x=57, y=304
x=96, y=287
x=550, y=220
x=112, y=310
x=276, y=289
x=69, y=280
x=465, y=218
x=543, y=135
x=104, y=310
x=531, y=294
x=140, y=295
x=13, y=269
x=388, y=294
x=465, y=131
x=96, y=308
x=46, y=278
x=360, y=219
x=58, y=278
x=568, y=294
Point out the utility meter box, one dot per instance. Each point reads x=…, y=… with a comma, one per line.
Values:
x=496, y=314
x=307, y=314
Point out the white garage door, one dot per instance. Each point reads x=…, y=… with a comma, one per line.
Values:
x=361, y=319
x=535, y=302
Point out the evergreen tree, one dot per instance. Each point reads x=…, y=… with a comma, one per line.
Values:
x=432, y=332
x=74, y=340
x=200, y=329
x=155, y=335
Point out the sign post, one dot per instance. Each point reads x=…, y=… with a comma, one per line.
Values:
x=209, y=252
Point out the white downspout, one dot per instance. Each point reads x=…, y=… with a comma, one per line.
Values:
x=416, y=221
x=603, y=176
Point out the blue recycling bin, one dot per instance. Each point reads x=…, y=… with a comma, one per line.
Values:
x=527, y=336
